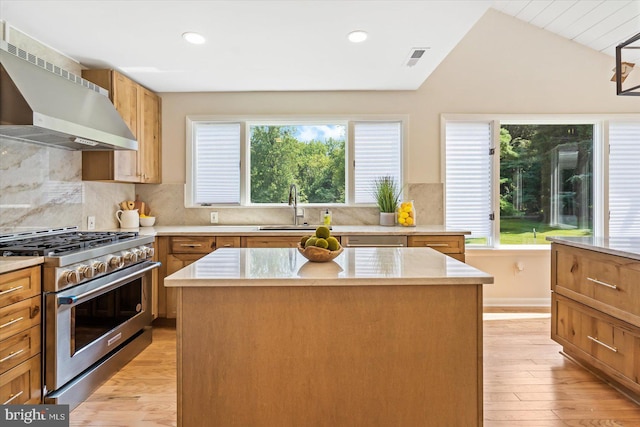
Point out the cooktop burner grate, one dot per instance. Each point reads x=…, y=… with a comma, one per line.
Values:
x=60, y=244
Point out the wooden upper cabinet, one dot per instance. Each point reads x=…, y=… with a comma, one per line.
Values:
x=149, y=153
x=140, y=109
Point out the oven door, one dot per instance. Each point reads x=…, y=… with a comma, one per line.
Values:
x=87, y=322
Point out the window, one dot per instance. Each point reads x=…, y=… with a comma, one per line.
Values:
x=624, y=175
x=254, y=162
x=311, y=156
x=543, y=182
x=215, y=163
x=468, y=204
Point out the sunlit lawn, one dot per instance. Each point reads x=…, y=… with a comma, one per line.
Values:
x=514, y=231
x=520, y=231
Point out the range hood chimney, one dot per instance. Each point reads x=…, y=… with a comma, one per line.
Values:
x=43, y=104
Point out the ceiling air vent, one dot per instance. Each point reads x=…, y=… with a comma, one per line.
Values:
x=415, y=55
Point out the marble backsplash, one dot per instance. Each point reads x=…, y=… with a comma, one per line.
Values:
x=42, y=187
x=167, y=205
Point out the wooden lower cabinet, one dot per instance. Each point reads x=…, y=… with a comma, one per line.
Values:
x=20, y=337
x=21, y=385
x=175, y=253
x=453, y=246
x=594, y=312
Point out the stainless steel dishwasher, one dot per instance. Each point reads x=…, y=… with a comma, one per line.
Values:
x=364, y=241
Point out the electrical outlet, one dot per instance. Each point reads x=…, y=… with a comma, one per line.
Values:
x=91, y=223
x=300, y=213
x=214, y=217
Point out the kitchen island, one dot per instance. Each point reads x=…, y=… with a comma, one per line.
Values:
x=377, y=337
x=595, y=314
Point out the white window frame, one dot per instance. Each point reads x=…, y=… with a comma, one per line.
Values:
x=600, y=162
x=249, y=120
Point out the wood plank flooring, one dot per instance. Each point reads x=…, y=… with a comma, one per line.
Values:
x=526, y=383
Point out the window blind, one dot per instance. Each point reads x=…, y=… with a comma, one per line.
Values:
x=377, y=152
x=624, y=175
x=468, y=178
x=216, y=162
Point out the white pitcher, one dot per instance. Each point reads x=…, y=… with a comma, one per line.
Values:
x=128, y=219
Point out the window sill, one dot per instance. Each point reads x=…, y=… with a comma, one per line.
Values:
x=508, y=250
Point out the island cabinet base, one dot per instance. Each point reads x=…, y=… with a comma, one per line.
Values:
x=330, y=356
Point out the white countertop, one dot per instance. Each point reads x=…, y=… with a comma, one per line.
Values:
x=253, y=230
x=353, y=267
x=13, y=263
x=628, y=247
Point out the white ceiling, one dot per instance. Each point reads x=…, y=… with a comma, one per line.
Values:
x=598, y=24
x=265, y=45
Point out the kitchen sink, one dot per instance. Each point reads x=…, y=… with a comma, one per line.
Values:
x=287, y=227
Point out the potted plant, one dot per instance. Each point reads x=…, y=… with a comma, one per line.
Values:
x=387, y=194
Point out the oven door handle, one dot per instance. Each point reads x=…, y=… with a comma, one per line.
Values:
x=77, y=299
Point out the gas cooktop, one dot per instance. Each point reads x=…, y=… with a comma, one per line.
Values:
x=58, y=242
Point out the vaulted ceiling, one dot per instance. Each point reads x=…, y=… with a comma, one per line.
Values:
x=266, y=45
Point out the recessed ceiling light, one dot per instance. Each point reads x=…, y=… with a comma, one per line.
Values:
x=357, y=36
x=194, y=38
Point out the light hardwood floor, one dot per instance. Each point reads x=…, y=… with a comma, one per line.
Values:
x=527, y=382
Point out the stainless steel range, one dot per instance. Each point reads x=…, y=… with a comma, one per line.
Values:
x=97, y=304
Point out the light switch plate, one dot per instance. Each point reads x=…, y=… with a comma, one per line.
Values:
x=91, y=223
x=214, y=217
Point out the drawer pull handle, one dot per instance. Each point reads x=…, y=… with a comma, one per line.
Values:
x=191, y=245
x=12, y=397
x=227, y=245
x=11, y=355
x=602, y=283
x=607, y=346
x=11, y=322
x=437, y=245
x=8, y=291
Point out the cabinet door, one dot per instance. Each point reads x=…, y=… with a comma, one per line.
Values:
x=176, y=262
x=125, y=98
x=22, y=384
x=19, y=285
x=149, y=136
x=121, y=165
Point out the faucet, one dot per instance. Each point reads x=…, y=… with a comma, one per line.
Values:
x=293, y=201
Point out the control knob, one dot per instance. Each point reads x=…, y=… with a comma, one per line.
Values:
x=116, y=262
x=86, y=271
x=69, y=277
x=100, y=267
x=130, y=257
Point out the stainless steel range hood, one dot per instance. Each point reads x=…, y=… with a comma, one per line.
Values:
x=43, y=104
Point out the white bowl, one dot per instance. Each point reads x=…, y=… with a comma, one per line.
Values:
x=147, y=221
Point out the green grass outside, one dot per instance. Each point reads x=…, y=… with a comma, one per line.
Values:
x=514, y=231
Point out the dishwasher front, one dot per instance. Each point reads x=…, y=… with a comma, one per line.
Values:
x=363, y=241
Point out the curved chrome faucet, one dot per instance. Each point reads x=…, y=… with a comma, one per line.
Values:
x=293, y=201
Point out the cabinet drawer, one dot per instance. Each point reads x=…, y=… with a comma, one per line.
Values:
x=612, y=282
x=444, y=244
x=19, y=285
x=227, y=242
x=19, y=347
x=192, y=245
x=21, y=385
x=611, y=342
x=19, y=317
x=271, y=242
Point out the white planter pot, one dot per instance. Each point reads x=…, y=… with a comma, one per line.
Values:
x=387, y=218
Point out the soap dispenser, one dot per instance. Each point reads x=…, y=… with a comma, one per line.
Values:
x=326, y=217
